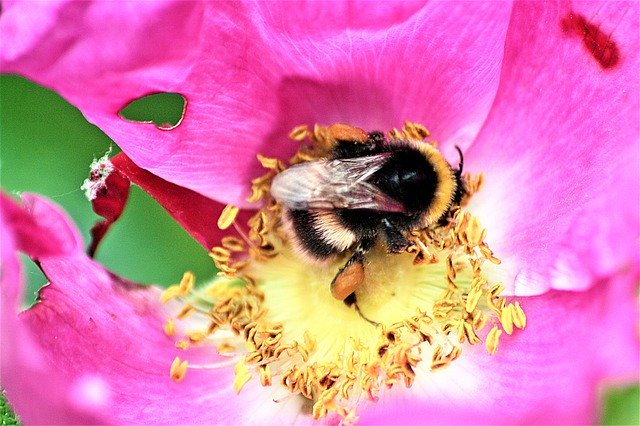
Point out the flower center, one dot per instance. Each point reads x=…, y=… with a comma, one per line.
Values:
x=422, y=304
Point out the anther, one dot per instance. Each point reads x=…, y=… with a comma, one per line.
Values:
x=178, y=369
x=228, y=216
x=493, y=339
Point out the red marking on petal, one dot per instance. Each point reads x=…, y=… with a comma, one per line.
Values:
x=600, y=45
x=109, y=203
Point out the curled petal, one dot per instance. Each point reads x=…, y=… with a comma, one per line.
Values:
x=40, y=228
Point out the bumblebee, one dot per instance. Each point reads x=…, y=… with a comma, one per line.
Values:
x=369, y=188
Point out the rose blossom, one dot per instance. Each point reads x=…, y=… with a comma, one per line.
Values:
x=541, y=102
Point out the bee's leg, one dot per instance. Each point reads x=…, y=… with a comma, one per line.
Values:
x=344, y=133
x=352, y=142
x=348, y=278
x=351, y=275
x=396, y=241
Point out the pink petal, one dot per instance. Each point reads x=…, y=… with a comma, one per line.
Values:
x=560, y=149
x=250, y=74
x=37, y=394
x=574, y=344
x=93, y=350
x=40, y=227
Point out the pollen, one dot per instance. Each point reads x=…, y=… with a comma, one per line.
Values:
x=178, y=369
x=272, y=314
x=227, y=216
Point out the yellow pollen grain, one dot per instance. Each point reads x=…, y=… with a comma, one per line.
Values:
x=228, y=216
x=506, y=319
x=472, y=299
x=169, y=293
x=182, y=344
x=493, y=339
x=186, y=283
x=169, y=327
x=470, y=333
x=185, y=312
x=178, y=369
x=496, y=289
x=519, y=317
x=179, y=290
x=196, y=336
x=233, y=244
x=299, y=133
x=220, y=254
x=242, y=376
x=265, y=375
x=271, y=163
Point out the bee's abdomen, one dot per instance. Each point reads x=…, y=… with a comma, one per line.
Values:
x=319, y=233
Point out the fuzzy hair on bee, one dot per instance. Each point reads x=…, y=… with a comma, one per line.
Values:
x=368, y=189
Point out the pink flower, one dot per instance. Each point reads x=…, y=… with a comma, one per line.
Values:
x=542, y=98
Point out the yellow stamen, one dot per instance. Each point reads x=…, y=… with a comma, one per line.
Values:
x=493, y=339
x=227, y=216
x=277, y=315
x=242, y=376
x=178, y=290
x=299, y=133
x=271, y=163
x=519, y=317
x=182, y=344
x=506, y=318
x=178, y=369
x=170, y=327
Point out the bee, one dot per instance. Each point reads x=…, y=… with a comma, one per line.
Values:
x=369, y=188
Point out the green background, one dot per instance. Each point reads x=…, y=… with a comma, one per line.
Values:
x=47, y=146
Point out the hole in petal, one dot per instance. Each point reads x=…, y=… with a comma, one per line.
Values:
x=34, y=278
x=166, y=110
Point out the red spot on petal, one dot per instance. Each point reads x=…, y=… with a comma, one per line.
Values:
x=599, y=44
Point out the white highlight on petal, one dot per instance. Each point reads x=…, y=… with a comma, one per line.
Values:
x=90, y=392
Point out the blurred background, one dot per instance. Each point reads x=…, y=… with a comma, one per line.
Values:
x=46, y=146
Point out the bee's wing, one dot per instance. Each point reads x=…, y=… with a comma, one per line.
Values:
x=333, y=184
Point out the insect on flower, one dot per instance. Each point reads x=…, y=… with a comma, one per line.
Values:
x=369, y=188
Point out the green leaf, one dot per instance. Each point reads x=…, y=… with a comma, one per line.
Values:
x=622, y=407
x=8, y=417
